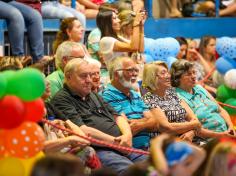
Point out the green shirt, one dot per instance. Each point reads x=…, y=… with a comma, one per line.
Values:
x=56, y=80
x=206, y=110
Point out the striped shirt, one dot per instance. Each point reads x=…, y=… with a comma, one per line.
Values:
x=132, y=106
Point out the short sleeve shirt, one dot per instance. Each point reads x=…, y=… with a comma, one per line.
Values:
x=132, y=106
x=205, y=109
x=90, y=110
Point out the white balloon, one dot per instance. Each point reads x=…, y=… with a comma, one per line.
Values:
x=217, y=78
x=230, y=79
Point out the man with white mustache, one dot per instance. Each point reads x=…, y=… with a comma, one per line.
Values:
x=121, y=95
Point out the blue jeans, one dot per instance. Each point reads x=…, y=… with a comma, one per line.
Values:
x=54, y=9
x=19, y=17
x=117, y=161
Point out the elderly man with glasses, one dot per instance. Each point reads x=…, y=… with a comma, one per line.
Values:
x=121, y=94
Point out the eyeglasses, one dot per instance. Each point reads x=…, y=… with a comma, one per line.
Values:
x=130, y=70
x=163, y=74
x=72, y=57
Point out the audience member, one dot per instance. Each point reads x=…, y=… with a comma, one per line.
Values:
x=222, y=160
x=94, y=117
x=54, y=9
x=70, y=30
x=183, y=48
x=214, y=119
x=66, y=51
x=20, y=16
x=120, y=94
x=97, y=86
x=111, y=45
x=177, y=118
x=207, y=48
x=58, y=165
x=175, y=158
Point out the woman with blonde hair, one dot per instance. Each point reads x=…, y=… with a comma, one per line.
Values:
x=161, y=97
x=222, y=160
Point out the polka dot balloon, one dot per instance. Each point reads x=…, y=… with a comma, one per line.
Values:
x=25, y=141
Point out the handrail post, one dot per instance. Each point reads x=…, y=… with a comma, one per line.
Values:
x=73, y=4
x=148, y=5
x=217, y=7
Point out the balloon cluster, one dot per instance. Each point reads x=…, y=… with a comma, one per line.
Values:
x=163, y=49
x=226, y=69
x=21, y=139
x=226, y=47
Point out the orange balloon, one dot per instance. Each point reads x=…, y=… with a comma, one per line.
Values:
x=25, y=141
x=233, y=119
x=2, y=144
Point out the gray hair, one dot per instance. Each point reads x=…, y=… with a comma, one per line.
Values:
x=149, y=74
x=64, y=50
x=93, y=62
x=73, y=65
x=115, y=65
x=178, y=68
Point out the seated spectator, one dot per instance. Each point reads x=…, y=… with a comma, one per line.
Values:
x=183, y=48
x=169, y=157
x=111, y=45
x=54, y=9
x=175, y=158
x=207, y=48
x=65, y=52
x=72, y=30
x=20, y=16
x=222, y=160
x=121, y=96
x=58, y=165
x=97, y=86
x=163, y=98
x=214, y=119
x=94, y=117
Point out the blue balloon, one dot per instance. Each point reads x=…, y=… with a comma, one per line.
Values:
x=170, y=61
x=173, y=46
x=148, y=58
x=223, y=65
x=226, y=47
x=148, y=43
x=159, y=50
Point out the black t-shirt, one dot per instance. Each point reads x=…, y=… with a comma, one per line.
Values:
x=91, y=111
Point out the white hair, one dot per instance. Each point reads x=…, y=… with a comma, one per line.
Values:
x=64, y=50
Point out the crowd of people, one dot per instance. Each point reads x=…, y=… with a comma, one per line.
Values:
x=108, y=92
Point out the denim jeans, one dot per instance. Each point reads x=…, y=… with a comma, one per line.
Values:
x=19, y=17
x=117, y=161
x=54, y=9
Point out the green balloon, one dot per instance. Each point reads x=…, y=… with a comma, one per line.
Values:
x=28, y=84
x=8, y=74
x=3, y=85
x=232, y=102
x=223, y=93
